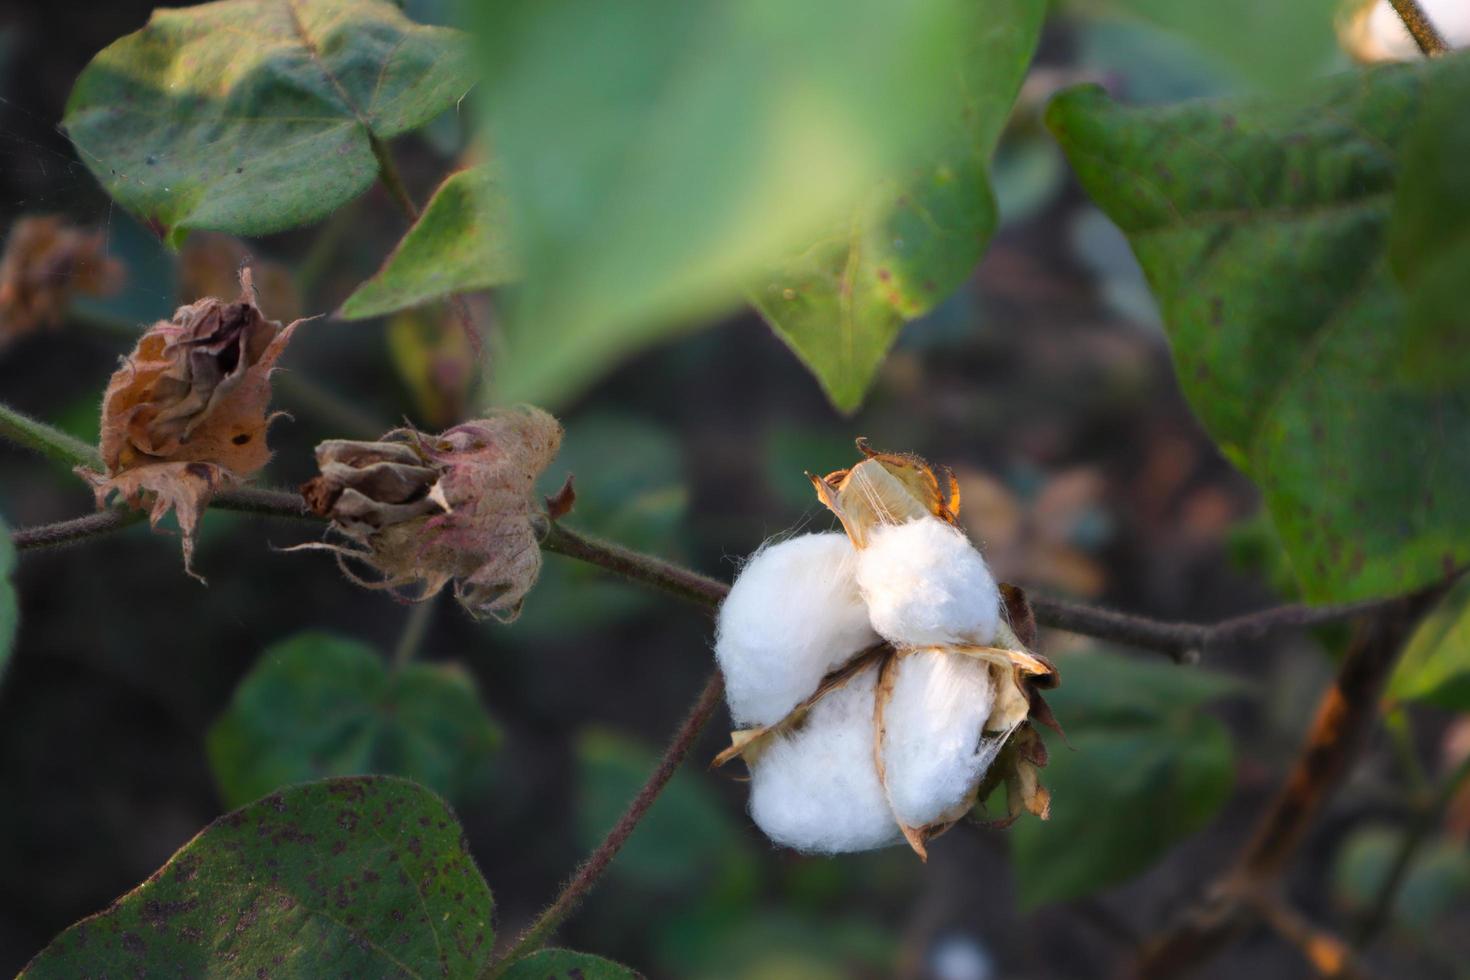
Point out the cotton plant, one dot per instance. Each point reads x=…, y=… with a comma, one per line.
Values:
x=877, y=676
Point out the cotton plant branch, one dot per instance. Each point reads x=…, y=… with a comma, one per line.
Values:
x=1343, y=718
x=1416, y=21
x=586, y=876
x=1325, y=952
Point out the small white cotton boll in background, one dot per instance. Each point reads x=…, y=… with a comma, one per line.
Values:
x=816, y=789
x=925, y=584
x=793, y=614
x=934, y=749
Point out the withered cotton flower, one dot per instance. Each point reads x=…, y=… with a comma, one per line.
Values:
x=186, y=414
x=423, y=510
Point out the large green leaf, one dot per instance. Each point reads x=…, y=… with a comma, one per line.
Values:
x=320, y=705
x=1145, y=768
x=459, y=244
x=251, y=116
x=9, y=605
x=842, y=296
x=1436, y=664
x=361, y=877
x=659, y=153
x=1262, y=227
x=563, y=964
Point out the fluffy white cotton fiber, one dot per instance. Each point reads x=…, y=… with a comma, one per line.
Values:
x=925, y=584
x=934, y=752
x=793, y=614
x=816, y=789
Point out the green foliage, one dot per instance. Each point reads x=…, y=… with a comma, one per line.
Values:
x=1435, y=666
x=660, y=153
x=362, y=877
x=1145, y=768
x=563, y=964
x=1263, y=43
x=460, y=243
x=252, y=116
x=687, y=835
x=841, y=297
x=9, y=603
x=321, y=705
x=629, y=478
x=1263, y=229
x=1436, y=885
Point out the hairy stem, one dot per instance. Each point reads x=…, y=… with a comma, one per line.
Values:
x=415, y=628
x=391, y=180
x=635, y=566
x=1431, y=42
x=46, y=440
x=77, y=529
x=586, y=876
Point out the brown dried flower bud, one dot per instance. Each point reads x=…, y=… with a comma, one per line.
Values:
x=46, y=262
x=186, y=414
x=423, y=511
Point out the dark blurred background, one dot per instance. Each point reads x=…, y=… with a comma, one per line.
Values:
x=1046, y=384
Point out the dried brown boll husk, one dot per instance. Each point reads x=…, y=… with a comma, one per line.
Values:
x=423, y=511
x=186, y=414
x=46, y=262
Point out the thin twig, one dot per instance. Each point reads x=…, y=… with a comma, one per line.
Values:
x=1423, y=825
x=586, y=876
x=415, y=628
x=638, y=567
x=77, y=529
x=1344, y=716
x=1327, y=954
x=1431, y=42
x=45, y=439
x=391, y=180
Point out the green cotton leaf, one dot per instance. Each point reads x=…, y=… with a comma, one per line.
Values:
x=459, y=244
x=1145, y=769
x=687, y=835
x=1435, y=666
x=252, y=116
x=1265, y=44
x=1429, y=238
x=9, y=603
x=563, y=964
x=363, y=877
x=321, y=705
x=1263, y=230
x=659, y=153
x=840, y=298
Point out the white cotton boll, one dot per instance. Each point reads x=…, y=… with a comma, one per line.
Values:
x=925, y=584
x=816, y=789
x=793, y=614
x=934, y=748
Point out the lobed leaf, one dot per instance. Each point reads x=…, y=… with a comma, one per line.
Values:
x=321, y=705
x=1263, y=228
x=459, y=244
x=252, y=116
x=1435, y=666
x=840, y=299
x=366, y=876
x=659, y=153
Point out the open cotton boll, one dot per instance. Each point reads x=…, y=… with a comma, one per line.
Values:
x=925, y=585
x=793, y=614
x=816, y=789
x=934, y=748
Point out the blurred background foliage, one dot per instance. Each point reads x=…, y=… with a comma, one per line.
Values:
x=137, y=705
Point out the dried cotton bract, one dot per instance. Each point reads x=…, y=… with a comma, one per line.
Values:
x=186, y=413
x=941, y=708
x=46, y=262
x=423, y=511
